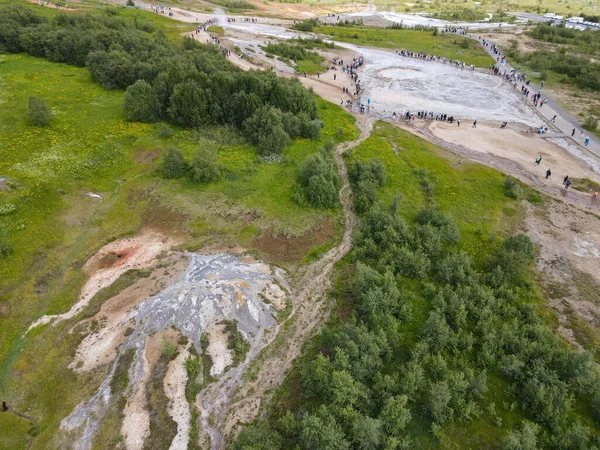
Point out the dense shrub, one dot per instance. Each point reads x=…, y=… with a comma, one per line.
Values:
x=40, y=114
x=294, y=51
x=366, y=177
x=525, y=439
x=319, y=179
x=265, y=129
x=579, y=69
x=205, y=166
x=374, y=372
x=174, y=165
x=165, y=132
x=306, y=25
x=141, y=103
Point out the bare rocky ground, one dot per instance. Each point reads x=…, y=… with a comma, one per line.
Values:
x=212, y=288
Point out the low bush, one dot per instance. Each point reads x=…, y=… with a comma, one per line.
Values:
x=306, y=25
x=39, y=113
x=590, y=123
x=205, y=166
x=174, y=164
x=5, y=247
x=512, y=188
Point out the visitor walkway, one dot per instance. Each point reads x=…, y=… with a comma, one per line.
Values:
x=564, y=121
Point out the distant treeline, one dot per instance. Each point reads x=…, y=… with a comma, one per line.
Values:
x=234, y=4
x=187, y=84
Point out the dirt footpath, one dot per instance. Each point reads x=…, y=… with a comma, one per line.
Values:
x=520, y=147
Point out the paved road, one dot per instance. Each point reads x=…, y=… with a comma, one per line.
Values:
x=564, y=121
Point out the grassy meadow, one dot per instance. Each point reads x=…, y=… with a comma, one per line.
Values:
x=448, y=46
x=53, y=225
x=472, y=194
x=474, y=197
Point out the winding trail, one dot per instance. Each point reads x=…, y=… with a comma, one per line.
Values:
x=236, y=399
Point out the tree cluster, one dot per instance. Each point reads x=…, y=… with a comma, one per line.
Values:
x=389, y=366
x=188, y=85
x=319, y=179
x=203, y=168
x=366, y=178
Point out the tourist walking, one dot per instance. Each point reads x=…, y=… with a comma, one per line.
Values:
x=538, y=160
x=548, y=173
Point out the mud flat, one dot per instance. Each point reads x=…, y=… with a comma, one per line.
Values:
x=397, y=83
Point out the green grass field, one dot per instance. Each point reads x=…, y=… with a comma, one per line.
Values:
x=54, y=226
x=448, y=46
x=472, y=194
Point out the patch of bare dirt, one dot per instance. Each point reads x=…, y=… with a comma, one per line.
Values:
x=4, y=310
x=178, y=408
x=145, y=156
x=217, y=349
x=302, y=10
x=569, y=258
x=51, y=5
x=100, y=346
x=164, y=219
x=291, y=249
x=136, y=418
x=527, y=44
x=518, y=146
x=138, y=252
